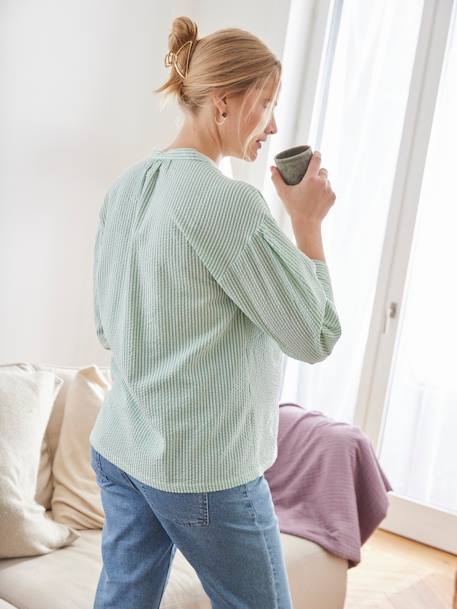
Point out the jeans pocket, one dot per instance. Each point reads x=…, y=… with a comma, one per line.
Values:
x=107, y=472
x=186, y=509
x=95, y=464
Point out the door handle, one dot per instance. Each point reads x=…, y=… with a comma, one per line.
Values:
x=390, y=313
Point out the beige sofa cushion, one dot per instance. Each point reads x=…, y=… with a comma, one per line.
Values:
x=76, y=499
x=26, y=399
x=67, y=579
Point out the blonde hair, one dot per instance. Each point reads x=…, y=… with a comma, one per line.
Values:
x=230, y=59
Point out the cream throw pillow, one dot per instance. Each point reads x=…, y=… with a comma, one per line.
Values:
x=26, y=400
x=44, y=480
x=76, y=499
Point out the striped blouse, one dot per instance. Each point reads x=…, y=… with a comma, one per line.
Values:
x=197, y=294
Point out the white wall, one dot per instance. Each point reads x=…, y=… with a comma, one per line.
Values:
x=76, y=109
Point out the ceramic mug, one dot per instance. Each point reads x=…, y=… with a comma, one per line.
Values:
x=293, y=163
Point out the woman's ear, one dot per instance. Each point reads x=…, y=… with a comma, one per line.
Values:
x=220, y=101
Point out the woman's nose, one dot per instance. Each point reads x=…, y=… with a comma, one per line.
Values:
x=272, y=127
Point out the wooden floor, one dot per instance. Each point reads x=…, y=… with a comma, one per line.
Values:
x=398, y=573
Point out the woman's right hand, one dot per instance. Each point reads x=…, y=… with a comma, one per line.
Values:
x=310, y=199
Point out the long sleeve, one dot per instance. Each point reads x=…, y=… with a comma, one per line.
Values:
x=284, y=292
x=98, y=238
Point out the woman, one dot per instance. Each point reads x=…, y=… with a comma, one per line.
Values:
x=197, y=294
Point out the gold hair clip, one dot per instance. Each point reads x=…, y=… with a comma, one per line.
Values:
x=172, y=59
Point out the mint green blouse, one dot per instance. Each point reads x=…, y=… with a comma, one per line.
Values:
x=197, y=294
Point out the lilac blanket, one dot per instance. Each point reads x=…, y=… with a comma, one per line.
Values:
x=326, y=483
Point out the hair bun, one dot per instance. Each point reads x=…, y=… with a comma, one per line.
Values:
x=182, y=29
x=181, y=45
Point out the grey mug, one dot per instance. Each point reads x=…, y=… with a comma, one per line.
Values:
x=293, y=163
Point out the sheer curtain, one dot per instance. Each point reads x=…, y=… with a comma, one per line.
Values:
x=356, y=124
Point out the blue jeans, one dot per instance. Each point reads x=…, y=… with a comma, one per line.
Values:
x=230, y=537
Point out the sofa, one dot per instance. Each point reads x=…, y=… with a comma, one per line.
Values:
x=50, y=552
